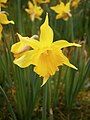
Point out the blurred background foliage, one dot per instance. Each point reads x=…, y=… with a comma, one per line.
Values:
x=66, y=94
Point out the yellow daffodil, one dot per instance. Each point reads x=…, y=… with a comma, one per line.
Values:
x=2, y=2
x=3, y=20
x=74, y=3
x=34, y=11
x=42, y=1
x=45, y=54
x=62, y=10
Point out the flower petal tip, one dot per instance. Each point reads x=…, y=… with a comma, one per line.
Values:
x=19, y=36
x=74, y=67
x=46, y=13
x=46, y=17
x=44, y=81
x=77, y=45
x=43, y=84
x=12, y=22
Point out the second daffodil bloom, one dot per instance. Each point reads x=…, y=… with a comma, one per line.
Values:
x=3, y=20
x=34, y=11
x=42, y=1
x=62, y=10
x=45, y=54
x=2, y=2
x=74, y=3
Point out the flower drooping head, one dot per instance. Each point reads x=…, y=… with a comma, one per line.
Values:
x=3, y=20
x=34, y=11
x=2, y=2
x=74, y=3
x=62, y=10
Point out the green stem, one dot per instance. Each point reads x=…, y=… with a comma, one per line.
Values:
x=57, y=88
x=49, y=100
x=33, y=27
x=72, y=32
x=18, y=92
x=44, y=113
x=19, y=17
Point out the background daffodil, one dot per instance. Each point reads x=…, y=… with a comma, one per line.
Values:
x=74, y=3
x=3, y=20
x=46, y=55
x=2, y=2
x=34, y=11
x=62, y=10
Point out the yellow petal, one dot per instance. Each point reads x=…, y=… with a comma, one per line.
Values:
x=59, y=8
x=67, y=8
x=4, y=20
x=63, y=43
x=20, y=47
x=65, y=16
x=74, y=3
x=29, y=57
x=35, y=44
x=21, y=38
x=38, y=11
x=29, y=41
x=30, y=5
x=48, y=63
x=41, y=68
x=62, y=4
x=3, y=1
x=58, y=16
x=46, y=33
x=66, y=61
x=27, y=10
x=62, y=10
x=45, y=79
x=56, y=8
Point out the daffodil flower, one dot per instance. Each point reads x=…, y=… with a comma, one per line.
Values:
x=62, y=10
x=2, y=2
x=42, y=1
x=3, y=20
x=74, y=3
x=34, y=11
x=45, y=54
